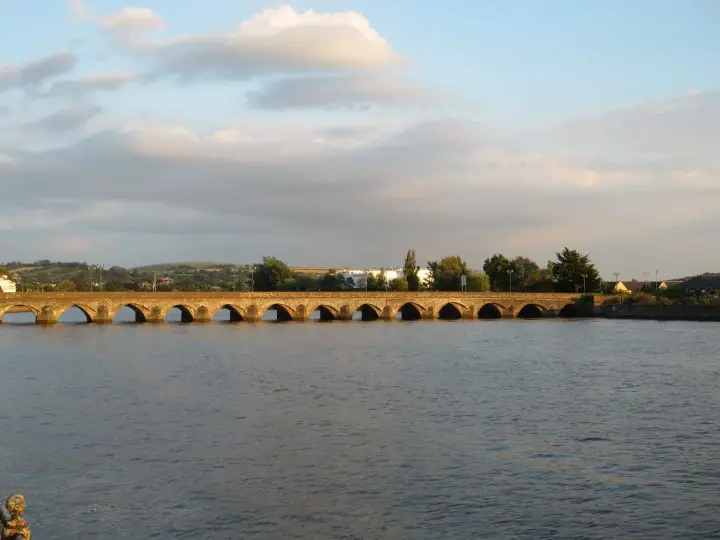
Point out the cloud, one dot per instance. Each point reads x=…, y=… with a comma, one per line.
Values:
x=131, y=20
x=64, y=120
x=443, y=187
x=86, y=85
x=276, y=40
x=331, y=92
x=687, y=125
x=36, y=72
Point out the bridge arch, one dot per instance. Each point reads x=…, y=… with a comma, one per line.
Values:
x=235, y=313
x=490, y=311
x=70, y=314
x=410, y=311
x=451, y=311
x=532, y=311
x=283, y=312
x=569, y=311
x=131, y=313
x=179, y=311
x=325, y=313
x=19, y=314
x=366, y=312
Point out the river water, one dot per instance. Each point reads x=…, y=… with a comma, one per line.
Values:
x=418, y=430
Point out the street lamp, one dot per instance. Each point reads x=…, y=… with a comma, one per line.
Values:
x=584, y=276
x=234, y=277
x=386, y=279
x=252, y=278
x=510, y=273
x=656, y=280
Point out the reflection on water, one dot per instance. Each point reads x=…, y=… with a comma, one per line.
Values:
x=429, y=430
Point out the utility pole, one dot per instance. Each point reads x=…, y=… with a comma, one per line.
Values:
x=656, y=280
x=617, y=276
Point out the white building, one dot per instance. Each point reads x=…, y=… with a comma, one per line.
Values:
x=7, y=286
x=359, y=275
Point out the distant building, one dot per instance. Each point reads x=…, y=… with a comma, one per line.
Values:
x=360, y=275
x=7, y=285
x=635, y=286
x=702, y=285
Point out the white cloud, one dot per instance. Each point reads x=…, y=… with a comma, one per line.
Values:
x=131, y=20
x=36, y=72
x=277, y=40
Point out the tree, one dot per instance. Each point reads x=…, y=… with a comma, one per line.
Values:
x=332, y=281
x=540, y=281
x=65, y=286
x=398, y=284
x=112, y=285
x=523, y=269
x=432, y=267
x=568, y=271
x=271, y=273
x=4, y=271
x=445, y=275
x=478, y=282
x=496, y=268
x=376, y=282
x=410, y=271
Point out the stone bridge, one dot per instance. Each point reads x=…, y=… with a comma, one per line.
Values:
x=102, y=307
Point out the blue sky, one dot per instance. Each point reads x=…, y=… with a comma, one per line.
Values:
x=484, y=117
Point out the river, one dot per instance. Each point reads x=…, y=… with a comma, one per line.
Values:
x=418, y=430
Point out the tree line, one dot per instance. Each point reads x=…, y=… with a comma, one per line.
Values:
x=570, y=271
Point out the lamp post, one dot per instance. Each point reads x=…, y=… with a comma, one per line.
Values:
x=91, y=280
x=584, y=276
x=386, y=279
x=234, y=270
x=510, y=273
x=252, y=278
x=657, y=285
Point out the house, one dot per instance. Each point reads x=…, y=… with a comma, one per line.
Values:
x=634, y=286
x=7, y=285
x=702, y=285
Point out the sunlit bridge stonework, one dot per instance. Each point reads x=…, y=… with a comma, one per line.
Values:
x=102, y=308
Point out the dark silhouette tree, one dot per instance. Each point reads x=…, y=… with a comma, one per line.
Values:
x=568, y=271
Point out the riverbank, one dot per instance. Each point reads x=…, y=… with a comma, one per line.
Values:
x=675, y=312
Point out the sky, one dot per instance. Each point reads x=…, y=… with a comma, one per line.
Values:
x=342, y=133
